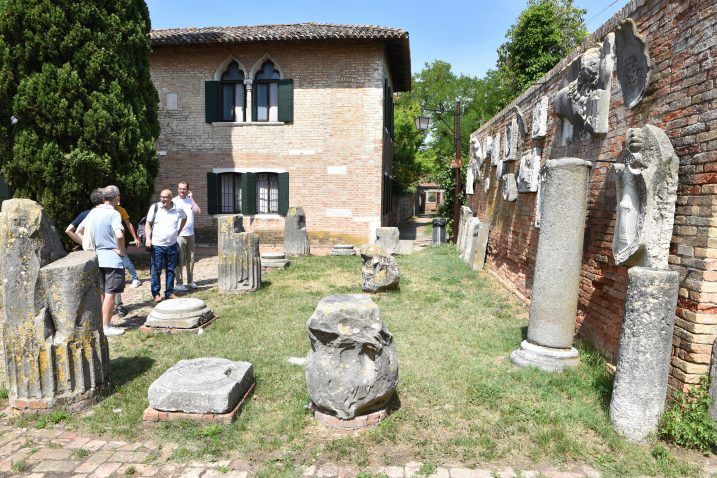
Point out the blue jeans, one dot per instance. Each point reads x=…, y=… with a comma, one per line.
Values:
x=163, y=257
x=130, y=268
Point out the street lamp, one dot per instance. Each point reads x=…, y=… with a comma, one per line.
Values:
x=422, y=125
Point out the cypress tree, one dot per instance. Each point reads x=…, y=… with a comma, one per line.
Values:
x=78, y=109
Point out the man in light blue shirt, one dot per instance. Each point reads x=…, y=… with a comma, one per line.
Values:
x=105, y=225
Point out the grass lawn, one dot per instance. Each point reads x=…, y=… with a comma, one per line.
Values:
x=459, y=399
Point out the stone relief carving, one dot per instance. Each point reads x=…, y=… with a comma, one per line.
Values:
x=520, y=120
x=476, y=150
x=539, y=200
x=499, y=171
x=510, y=188
x=487, y=146
x=529, y=170
x=510, y=140
x=584, y=97
x=495, y=150
x=633, y=62
x=486, y=183
x=472, y=174
x=646, y=194
x=540, y=118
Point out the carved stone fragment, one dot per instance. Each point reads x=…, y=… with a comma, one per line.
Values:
x=495, y=150
x=510, y=187
x=529, y=170
x=500, y=167
x=633, y=62
x=182, y=313
x=296, y=238
x=387, y=238
x=584, y=97
x=520, y=121
x=487, y=147
x=476, y=151
x=540, y=118
x=379, y=271
x=471, y=233
x=238, y=255
x=466, y=213
x=352, y=367
x=646, y=195
x=510, y=141
x=486, y=183
x=481, y=246
x=55, y=351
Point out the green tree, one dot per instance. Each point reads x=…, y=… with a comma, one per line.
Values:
x=78, y=109
x=545, y=32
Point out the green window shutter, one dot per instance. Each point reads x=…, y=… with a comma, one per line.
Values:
x=248, y=194
x=286, y=101
x=283, y=193
x=212, y=193
x=212, y=101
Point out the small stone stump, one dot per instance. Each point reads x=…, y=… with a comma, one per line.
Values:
x=204, y=389
x=271, y=261
x=183, y=315
x=352, y=367
x=239, y=258
x=379, y=271
x=296, y=238
x=387, y=238
x=438, y=236
x=343, y=250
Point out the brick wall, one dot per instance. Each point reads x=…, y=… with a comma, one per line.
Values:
x=682, y=100
x=334, y=150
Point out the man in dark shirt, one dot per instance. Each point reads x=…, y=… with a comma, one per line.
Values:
x=95, y=200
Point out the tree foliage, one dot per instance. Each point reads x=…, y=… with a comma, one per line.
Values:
x=78, y=109
x=545, y=32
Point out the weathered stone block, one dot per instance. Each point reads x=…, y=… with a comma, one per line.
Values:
x=203, y=385
x=182, y=313
x=238, y=257
x=352, y=368
x=510, y=188
x=481, y=246
x=540, y=118
x=529, y=170
x=471, y=235
x=387, y=238
x=379, y=271
x=296, y=237
x=643, y=364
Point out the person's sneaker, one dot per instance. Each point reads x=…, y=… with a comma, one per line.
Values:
x=136, y=283
x=112, y=331
x=157, y=298
x=120, y=311
x=193, y=285
x=180, y=288
x=172, y=296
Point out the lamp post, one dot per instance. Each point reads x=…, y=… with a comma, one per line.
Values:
x=422, y=125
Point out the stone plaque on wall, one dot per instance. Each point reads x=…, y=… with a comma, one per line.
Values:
x=540, y=118
x=495, y=151
x=529, y=171
x=633, y=62
x=510, y=140
x=510, y=188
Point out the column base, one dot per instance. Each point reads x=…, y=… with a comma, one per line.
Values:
x=544, y=358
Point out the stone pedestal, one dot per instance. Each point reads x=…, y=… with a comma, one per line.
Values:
x=379, y=271
x=553, y=307
x=387, y=238
x=343, y=250
x=274, y=260
x=352, y=368
x=296, y=238
x=481, y=241
x=184, y=314
x=56, y=354
x=643, y=364
x=239, y=258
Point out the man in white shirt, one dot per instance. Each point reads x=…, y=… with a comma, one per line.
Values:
x=105, y=226
x=164, y=223
x=185, y=201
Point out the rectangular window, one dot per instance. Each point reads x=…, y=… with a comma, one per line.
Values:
x=274, y=102
x=262, y=93
x=267, y=193
x=230, y=187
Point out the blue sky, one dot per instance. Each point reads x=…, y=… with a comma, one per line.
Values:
x=466, y=34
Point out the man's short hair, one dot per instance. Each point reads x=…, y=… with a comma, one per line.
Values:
x=110, y=192
x=96, y=197
x=183, y=182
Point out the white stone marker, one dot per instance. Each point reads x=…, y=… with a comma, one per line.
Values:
x=182, y=313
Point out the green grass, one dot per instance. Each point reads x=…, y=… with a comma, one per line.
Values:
x=460, y=399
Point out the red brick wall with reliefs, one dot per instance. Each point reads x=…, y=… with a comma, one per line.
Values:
x=682, y=100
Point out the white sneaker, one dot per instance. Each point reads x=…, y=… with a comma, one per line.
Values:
x=180, y=288
x=193, y=285
x=112, y=331
x=136, y=283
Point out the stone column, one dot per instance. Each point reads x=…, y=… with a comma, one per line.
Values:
x=249, y=110
x=296, y=238
x=551, y=324
x=643, y=363
x=55, y=351
x=239, y=258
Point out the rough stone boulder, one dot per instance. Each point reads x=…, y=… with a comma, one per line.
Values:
x=352, y=367
x=379, y=271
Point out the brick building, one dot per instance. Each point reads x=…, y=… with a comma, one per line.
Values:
x=682, y=100
x=261, y=118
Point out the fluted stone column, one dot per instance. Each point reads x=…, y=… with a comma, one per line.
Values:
x=55, y=351
x=296, y=238
x=239, y=258
x=556, y=280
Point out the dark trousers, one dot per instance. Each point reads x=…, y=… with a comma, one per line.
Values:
x=163, y=257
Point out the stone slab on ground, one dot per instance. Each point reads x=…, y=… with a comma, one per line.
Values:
x=153, y=415
x=204, y=385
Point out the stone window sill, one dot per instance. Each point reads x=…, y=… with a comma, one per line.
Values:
x=228, y=124
x=275, y=217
